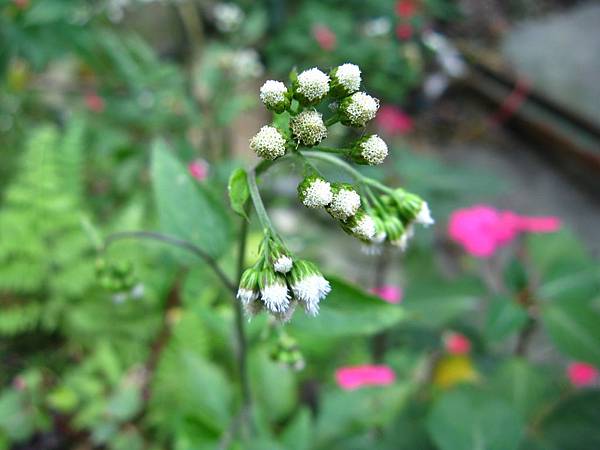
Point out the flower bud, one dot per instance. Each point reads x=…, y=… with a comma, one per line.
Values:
x=345, y=80
x=274, y=291
x=371, y=150
x=248, y=291
x=308, y=128
x=345, y=202
x=268, y=143
x=283, y=264
x=412, y=208
x=308, y=285
x=358, y=109
x=361, y=226
x=311, y=86
x=275, y=96
x=315, y=192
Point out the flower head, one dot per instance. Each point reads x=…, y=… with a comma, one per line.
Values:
x=350, y=378
x=582, y=374
x=248, y=290
x=324, y=37
x=413, y=208
x=345, y=80
x=273, y=291
x=274, y=95
x=389, y=293
x=358, y=109
x=371, y=150
x=456, y=343
x=361, y=225
x=311, y=86
x=315, y=192
x=283, y=264
x=268, y=143
x=228, y=17
x=308, y=128
x=393, y=121
x=308, y=285
x=345, y=202
x=198, y=169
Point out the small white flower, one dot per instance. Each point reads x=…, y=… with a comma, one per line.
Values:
x=308, y=128
x=272, y=93
x=348, y=75
x=424, y=215
x=275, y=296
x=246, y=63
x=374, y=150
x=377, y=27
x=246, y=296
x=316, y=194
x=364, y=228
x=312, y=84
x=283, y=264
x=228, y=16
x=345, y=203
x=358, y=109
x=311, y=290
x=268, y=143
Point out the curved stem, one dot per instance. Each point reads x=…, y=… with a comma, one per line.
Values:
x=185, y=245
x=334, y=160
x=259, y=206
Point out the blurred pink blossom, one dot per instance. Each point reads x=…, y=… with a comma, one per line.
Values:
x=456, y=343
x=198, y=169
x=94, y=102
x=393, y=121
x=406, y=8
x=324, y=37
x=350, y=378
x=404, y=31
x=582, y=374
x=482, y=229
x=389, y=293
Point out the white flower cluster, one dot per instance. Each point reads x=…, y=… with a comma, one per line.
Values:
x=308, y=128
x=228, y=17
x=348, y=75
x=364, y=228
x=283, y=264
x=268, y=143
x=345, y=203
x=311, y=290
x=272, y=94
x=312, y=85
x=358, y=109
x=373, y=150
x=316, y=193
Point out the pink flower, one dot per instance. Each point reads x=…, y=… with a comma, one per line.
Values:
x=324, y=37
x=406, y=8
x=404, y=31
x=350, y=378
x=482, y=229
x=198, y=169
x=94, y=102
x=393, y=120
x=21, y=4
x=456, y=343
x=582, y=374
x=389, y=293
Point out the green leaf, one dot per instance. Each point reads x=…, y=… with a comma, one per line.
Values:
x=470, y=419
x=63, y=399
x=347, y=311
x=574, y=327
x=238, y=191
x=299, y=432
x=504, y=318
x=187, y=210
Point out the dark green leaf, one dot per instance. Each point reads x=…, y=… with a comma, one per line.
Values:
x=504, y=318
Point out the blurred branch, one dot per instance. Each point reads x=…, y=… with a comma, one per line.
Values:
x=192, y=24
x=185, y=245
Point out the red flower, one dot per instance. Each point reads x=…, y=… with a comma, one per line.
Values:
x=198, y=169
x=404, y=31
x=393, y=120
x=94, y=102
x=388, y=293
x=324, y=37
x=456, y=343
x=582, y=374
x=406, y=8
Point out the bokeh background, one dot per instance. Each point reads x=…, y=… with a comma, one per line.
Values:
x=484, y=333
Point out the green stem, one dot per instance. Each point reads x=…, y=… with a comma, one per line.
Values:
x=331, y=150
x=259, y=206
x=332, y=120
x=334, y=160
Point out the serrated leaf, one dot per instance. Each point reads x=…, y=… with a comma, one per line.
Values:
x=346, y=311
x=187, y=210
x=238, y=191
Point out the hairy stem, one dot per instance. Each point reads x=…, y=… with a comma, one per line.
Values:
x=185, y=245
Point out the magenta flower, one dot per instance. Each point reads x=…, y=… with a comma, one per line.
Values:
x=324, y=37
x=404, y=31
x=406, y=8
x=198, y=169
x=389, y=293
x=456, y=343
x=482, y=229
x=350, y=378
x=393, y=121
x=582, y=374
